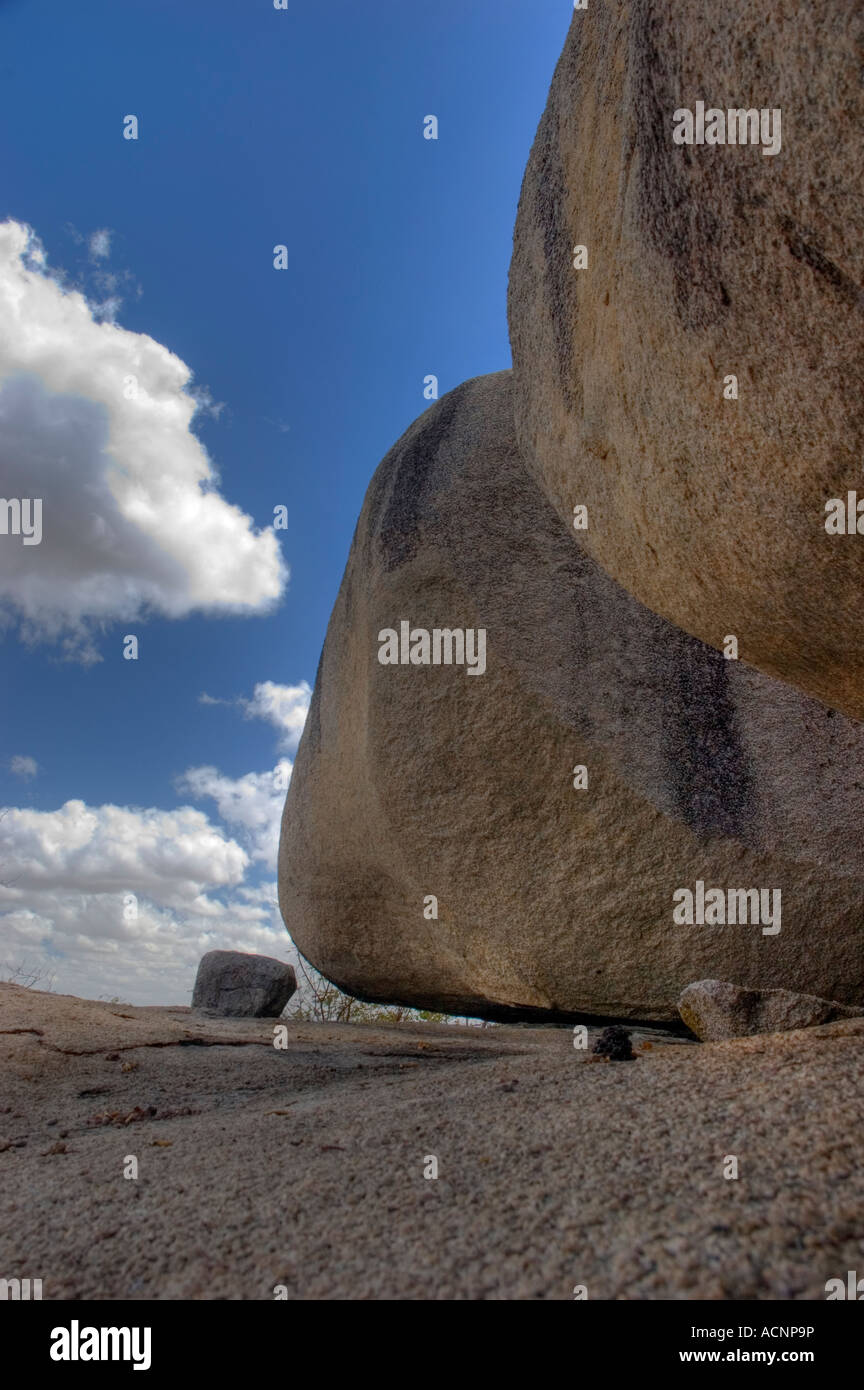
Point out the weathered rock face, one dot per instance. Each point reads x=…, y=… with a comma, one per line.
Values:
x=716, y=1011
x=414, y=781
x=705, y=261
x=238, y=984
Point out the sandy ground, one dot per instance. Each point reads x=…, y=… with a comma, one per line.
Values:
x=304, y=1167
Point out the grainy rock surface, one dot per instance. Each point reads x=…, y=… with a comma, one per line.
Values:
x=243, y=985
x=705, y=261
x=414, y=781
x=304, y=1167
x=715, y=1010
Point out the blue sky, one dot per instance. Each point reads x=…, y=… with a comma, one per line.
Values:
x=257, y=127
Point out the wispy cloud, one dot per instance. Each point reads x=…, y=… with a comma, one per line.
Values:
x=99, y=244
x=22, y=766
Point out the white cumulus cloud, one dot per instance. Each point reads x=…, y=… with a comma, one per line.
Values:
x=283, y=706
x=107, y=849
x=95, y=421
x=110, y=900
x=66, y=877
x=251, y=805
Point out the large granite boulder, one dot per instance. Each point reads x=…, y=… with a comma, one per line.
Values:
x=705, y=262
x=418, y=782
x=239, y=984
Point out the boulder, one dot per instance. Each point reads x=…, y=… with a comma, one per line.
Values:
x=704, y=262
x=238, y=984
x=422, y=789
x=716, y=1011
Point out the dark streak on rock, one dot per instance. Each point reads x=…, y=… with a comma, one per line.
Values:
x=411, y=472
x=808, y=253
x=708, y=768
x=677, y=223
x=551, y=214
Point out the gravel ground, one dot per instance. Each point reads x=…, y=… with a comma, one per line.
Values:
x=304, y=1167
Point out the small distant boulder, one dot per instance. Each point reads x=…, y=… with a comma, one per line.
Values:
x=716, y=1011
x=238, y=984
